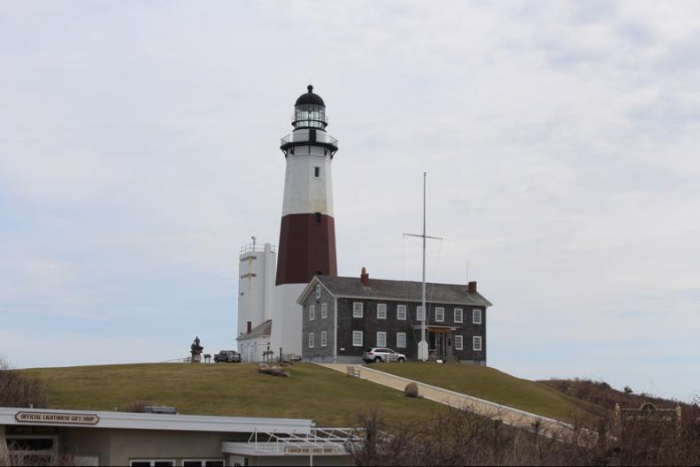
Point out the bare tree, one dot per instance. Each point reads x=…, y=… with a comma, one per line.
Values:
x=459, y=437
x=19, y=390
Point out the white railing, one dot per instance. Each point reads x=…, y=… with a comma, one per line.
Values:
x=255, y=248
x=304, y=136
x=319, y=441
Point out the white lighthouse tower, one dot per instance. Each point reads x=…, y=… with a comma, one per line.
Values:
x=307, y=232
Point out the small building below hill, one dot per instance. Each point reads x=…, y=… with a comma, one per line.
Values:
x=43, y=436
x=344, y=316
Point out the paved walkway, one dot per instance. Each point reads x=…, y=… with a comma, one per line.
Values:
x=509, y=415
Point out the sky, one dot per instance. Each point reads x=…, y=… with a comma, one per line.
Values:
x=139, y=151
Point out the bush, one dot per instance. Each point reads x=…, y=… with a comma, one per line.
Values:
x=458, y=437
x=137, y=407
x=18, y=390
x=411, y=390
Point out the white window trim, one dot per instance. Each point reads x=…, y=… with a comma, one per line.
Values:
x=312, y=312
x=358, y=312
x=360, y=334
x=400, y=308
x=324, y=310
x=477, y=312
x=459, y=343
x=312, y=340
x=461, y=315
x=398, y=341
x=475, y=347
x=439, y=310
x=382, y=334
x=318, y=291
x=420, y=311
x=381, y=307
x=324, y=339
x=152, y=461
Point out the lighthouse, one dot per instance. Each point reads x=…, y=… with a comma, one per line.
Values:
x=307, y=233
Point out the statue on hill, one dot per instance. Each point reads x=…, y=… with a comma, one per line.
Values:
x=196, y=350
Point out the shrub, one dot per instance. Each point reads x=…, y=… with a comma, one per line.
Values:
x=18, y=390
x=137, y=407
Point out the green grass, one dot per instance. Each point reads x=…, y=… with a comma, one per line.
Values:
x=328, y=397
x=496, y=386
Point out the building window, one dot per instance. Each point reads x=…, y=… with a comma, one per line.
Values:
x=401, y=312
x=312, y=312
x=459, y=343
x=151, y=462
x=420, y=313
x=203, y=463
x=324, y=338
x=357, y=309
x=476, y=340
x=357, y=338
x=476, y=316
x=381, y=339
x=317, y=217
x=439, y=314
x=381, y=311
x=458, y=315
x=318, y=291
x=311, y=340
x=324, y=310
x=400, y=340
x=317, y=172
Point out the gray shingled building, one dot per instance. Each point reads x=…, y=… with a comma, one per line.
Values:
x=344, y=316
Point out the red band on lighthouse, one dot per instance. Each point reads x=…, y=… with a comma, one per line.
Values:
x=306, y=248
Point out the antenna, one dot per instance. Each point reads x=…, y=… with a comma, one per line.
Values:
x=253, y=243
x=423, y=344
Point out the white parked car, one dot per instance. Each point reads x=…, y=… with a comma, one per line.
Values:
x=382, y=354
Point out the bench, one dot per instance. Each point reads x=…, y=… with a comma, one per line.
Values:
x=353, y=371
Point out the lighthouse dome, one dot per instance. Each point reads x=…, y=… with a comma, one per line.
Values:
x=310, y=98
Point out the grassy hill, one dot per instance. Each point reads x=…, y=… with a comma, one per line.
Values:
x=326, y=396
x=496, y=386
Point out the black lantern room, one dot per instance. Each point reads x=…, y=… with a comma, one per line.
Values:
x=309, y=111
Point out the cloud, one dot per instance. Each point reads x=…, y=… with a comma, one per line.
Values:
x=139, y=151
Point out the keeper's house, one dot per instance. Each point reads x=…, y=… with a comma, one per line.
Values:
x=344, y=316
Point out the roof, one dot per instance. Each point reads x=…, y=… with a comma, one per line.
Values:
x=410, y=291
x=149, y=421
x=260, y=330
x=310, y=98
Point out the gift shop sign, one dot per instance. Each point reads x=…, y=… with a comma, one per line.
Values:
x=53, y=417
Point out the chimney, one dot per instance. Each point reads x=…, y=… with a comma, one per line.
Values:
x=364, y=277
x=472, y=287
x=250, y=326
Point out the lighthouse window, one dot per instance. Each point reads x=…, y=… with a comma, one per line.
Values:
x=317, y=217
x=317, y=172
